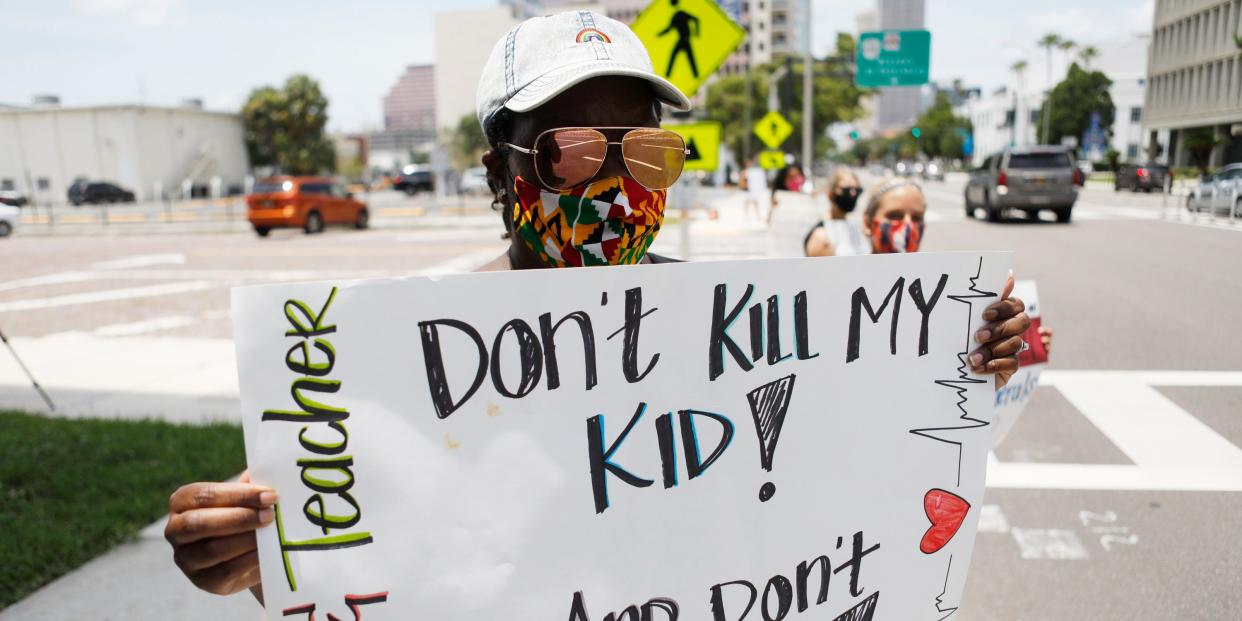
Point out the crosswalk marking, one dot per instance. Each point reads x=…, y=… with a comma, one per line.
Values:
x=1170, y=448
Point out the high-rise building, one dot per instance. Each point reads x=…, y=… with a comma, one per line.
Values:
x=1194, y=79
x=411, y=104
x=897, y=107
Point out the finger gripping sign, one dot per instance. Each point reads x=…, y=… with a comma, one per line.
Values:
x=728, y=441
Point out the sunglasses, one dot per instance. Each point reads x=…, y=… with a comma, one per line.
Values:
x=568, y=157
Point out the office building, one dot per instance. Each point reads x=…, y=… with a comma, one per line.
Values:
x=1194, y=79
x=152, y=151
x=411, y=104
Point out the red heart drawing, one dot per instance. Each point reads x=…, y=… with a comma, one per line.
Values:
x=946, y=511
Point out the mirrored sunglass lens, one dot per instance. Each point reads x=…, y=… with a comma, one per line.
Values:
x=570, y=157
x=654, y=157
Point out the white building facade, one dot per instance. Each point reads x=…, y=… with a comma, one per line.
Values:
x=1195, y=76
x=151, y=151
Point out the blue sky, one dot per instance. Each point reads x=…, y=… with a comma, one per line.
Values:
x=161, y=51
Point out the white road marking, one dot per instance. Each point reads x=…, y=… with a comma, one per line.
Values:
x=1171, y=449
x=141, y=260
x=143, y=327
x=461, y=264
x=158, y=324
x=110, y=295
x=992, y=520
x=1049, y=544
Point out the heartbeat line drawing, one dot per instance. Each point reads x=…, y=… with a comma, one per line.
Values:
x=962, y=381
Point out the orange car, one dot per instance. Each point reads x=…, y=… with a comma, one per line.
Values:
x=308, y=203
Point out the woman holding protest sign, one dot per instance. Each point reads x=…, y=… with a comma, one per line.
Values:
x=580, y=169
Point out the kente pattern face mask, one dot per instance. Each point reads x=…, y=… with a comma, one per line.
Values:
x=606, y=222
x=900, y=236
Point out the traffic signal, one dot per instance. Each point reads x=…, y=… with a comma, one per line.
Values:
x=916, y=132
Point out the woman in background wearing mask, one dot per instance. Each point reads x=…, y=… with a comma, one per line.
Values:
x=894, y=222
x=834, y=236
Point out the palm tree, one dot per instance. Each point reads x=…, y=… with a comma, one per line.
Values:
x=1088, y=54
x=1048, y=42
x=1019, y=70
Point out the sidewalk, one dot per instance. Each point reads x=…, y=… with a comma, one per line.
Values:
x=190, y=380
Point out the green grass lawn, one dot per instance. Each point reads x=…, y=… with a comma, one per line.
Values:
x=72, y=489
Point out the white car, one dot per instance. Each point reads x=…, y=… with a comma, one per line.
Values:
x=1219, y=192
x=474, y=181
x=9, y=217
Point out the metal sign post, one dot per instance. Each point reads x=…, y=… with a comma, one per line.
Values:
x=46, y=399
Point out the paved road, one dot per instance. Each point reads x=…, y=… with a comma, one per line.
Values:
x=1116, y=496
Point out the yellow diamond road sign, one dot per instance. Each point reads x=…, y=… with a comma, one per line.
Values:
x=687, y=39
x=703, y=143
x=773, y=129
x=772, y=160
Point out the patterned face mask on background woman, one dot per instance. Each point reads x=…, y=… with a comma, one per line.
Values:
x=607, y=222
x=900, y=236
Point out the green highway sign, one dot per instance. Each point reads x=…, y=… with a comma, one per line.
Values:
x=894, y=58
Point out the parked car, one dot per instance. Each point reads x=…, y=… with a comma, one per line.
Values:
x=13, y=198
x=904, y=169
x=1219, y=192
x=474, y=181
x=9, y=218
x=1145, y=177
x=97, y=192
x=413, y=180
x=933, y=171
x=308, y=203
x=1030, y=179
x=1086, y=168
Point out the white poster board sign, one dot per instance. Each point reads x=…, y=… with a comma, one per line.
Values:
x=1013, y=397
x=783, y=439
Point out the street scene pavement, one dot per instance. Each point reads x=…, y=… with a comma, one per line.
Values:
x=1092, y=511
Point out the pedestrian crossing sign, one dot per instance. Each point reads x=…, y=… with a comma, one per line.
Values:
x=773, y=129
x=703, y=143
x=687, y=40
x=772, y=160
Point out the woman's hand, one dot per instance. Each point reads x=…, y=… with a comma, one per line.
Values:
x=211, y=528
x=1001, y=337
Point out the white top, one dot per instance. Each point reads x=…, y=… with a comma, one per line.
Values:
x=757, y=182
x=846, y=238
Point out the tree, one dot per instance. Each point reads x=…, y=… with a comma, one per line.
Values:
x=284, y=128
x=836, y=98
x=1088, y=54
x=467, y=142
x=1048, y=42
x=942, y=134
x=1073, y=101
x=1201, y=142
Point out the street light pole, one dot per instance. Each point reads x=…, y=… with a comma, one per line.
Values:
x=807, y=93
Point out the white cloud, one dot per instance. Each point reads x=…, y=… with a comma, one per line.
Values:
x=148, y=13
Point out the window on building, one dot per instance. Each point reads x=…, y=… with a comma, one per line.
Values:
x=44, y=183
x=1131, y=151
x=1034, y=116
x=1136, y=114
x=6, y=185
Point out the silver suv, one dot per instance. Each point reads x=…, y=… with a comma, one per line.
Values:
x=1028, y=179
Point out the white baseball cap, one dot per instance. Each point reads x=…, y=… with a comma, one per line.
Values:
x=542, y=57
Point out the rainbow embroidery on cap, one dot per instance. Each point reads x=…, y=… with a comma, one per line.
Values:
x=591, y=34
